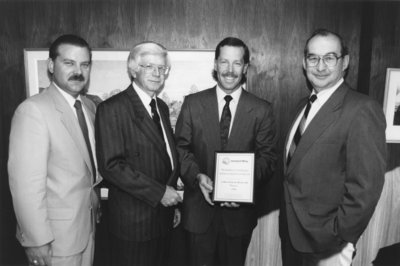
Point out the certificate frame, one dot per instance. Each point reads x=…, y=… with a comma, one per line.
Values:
x=391, y=105
x=240, y=187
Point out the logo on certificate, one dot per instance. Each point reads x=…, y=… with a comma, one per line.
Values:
x=226, y=160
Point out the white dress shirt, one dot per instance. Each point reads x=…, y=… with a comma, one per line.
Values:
x=322, y=97
x=232, y=105
x=71, y=101
x=146, y=99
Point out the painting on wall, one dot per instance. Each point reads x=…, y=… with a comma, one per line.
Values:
x=190, y=72
x=391, y=104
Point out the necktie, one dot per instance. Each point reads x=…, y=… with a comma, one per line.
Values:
x=157, y=121
x=156, y=117
x=85, y=132
x=300, y=129
x=225, y=122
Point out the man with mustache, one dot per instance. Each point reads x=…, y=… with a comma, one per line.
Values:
x=334, y=161
x=223, y=118
x=52, y=163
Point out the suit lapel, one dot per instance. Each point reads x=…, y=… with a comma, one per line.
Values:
x=210, y=118
x=145, y=123
x=322, y=120
x=241, y=122
x=300, y=107
x=69, y=120
x=170, y=138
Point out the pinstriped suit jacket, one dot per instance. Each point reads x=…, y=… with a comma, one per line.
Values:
x=133, y=159
x=198, y=137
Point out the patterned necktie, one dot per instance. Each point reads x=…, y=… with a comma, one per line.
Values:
x=156, y=117
x=300, y=129
x=85, y=132
x=225, y=122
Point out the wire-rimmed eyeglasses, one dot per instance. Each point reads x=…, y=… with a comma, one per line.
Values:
x=329, y=60
x=150, y=68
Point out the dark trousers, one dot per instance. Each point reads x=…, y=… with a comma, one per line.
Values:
x=146, y=253
x=216, y=248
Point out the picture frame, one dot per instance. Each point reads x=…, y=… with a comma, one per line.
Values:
x=391, y=105
x=191, y=71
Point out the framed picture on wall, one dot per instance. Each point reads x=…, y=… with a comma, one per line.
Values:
x=391, y=104
x=190, y=72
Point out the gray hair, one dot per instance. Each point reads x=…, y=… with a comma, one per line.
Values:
x=142, y=49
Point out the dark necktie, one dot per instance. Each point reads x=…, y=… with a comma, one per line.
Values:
x=225, y=122
x=157, y=121
x=300, y=129
x=85, y=132
x=156, y=117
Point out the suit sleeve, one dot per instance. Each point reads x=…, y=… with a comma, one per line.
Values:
x=183, y=131
x=265, y=146
x=27, y=168
x=113, y=163
x=365, y=171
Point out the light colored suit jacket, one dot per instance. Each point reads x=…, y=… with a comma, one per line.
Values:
x=336, y=174
x=50, y=174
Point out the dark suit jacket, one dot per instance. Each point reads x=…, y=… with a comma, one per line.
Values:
x=133, y=158
x=198, y=137
x=336, y=174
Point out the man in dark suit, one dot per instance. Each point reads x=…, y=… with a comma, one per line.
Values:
x=334, y=162
x=137, y=156
x=220, y=233
x=52, y=165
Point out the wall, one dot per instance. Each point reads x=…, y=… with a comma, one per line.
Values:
x=275, y=31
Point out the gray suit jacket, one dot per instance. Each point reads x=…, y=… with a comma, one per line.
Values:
x=336, y=174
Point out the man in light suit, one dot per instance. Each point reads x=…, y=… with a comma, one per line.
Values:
x=137, y=156
x=220, y=233
x=334, y=162
x=52, y=172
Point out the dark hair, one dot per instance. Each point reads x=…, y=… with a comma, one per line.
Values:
x=235, y=42
x=324, y=32
x=67, y=39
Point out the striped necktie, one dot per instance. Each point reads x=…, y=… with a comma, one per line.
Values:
x=300, y=129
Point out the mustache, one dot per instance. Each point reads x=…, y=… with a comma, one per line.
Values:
x=230, y=75
x=77, y=77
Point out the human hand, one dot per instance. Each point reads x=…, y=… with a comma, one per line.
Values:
x=230, y=204
x=171, y=197
x=206, y=187
x=39, y=256
x=177, y=218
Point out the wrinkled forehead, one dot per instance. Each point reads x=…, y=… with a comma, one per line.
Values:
x=322, y=45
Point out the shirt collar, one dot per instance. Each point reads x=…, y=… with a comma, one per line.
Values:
x=235, y=95
x=144, y=97
x=328, y=91
x=68, y=97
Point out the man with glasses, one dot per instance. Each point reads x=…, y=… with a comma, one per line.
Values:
x=223, y=118
x=334, y=161
x=137, y=156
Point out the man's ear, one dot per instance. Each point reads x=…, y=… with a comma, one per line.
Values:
x=50, y=65
x=346, y=60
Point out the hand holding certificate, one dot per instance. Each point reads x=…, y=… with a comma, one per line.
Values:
x=234, y=177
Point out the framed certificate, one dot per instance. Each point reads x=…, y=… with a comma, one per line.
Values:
x=234, y=177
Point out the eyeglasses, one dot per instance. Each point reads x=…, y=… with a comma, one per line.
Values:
x=329, y=60
x=150, y=68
